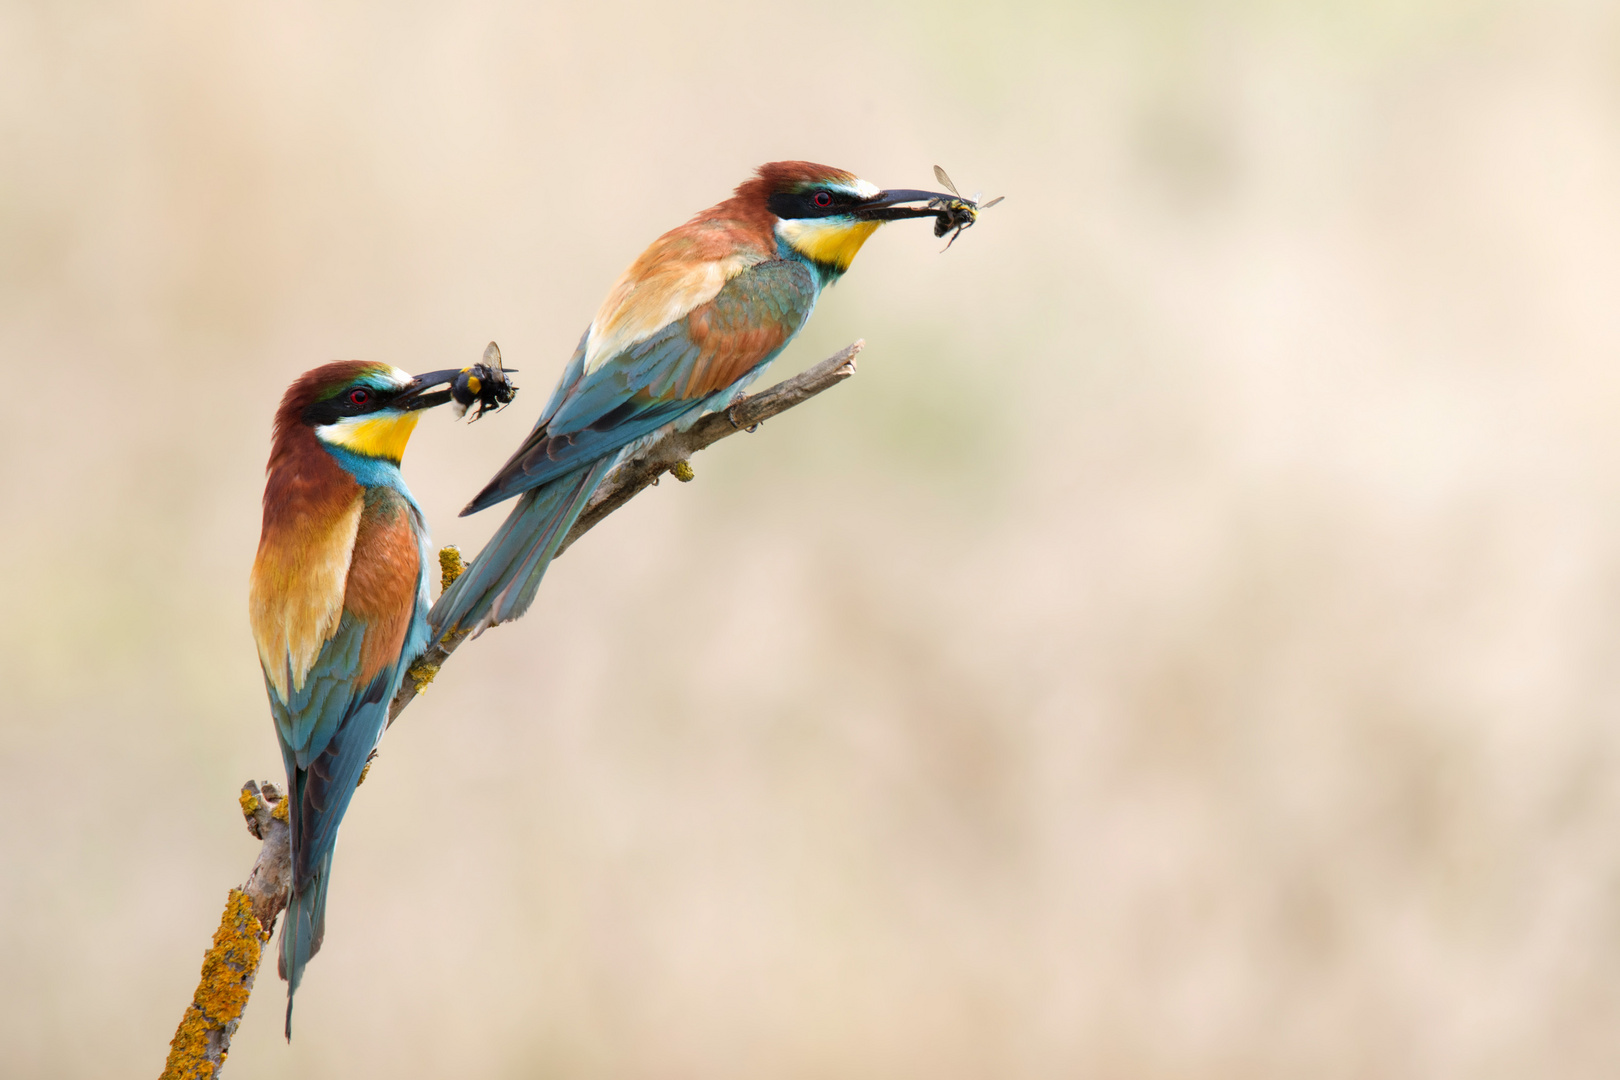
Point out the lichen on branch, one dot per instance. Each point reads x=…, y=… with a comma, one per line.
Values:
x=200, y=1045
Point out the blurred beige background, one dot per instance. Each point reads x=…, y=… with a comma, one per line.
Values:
x=1190, y=647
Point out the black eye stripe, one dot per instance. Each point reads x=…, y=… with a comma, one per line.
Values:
x=342, y=404
x=804, y=204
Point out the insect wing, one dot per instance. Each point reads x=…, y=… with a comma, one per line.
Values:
x=954, y=216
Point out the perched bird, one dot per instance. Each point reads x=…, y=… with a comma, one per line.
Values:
x=337, y=601
x=686, y=328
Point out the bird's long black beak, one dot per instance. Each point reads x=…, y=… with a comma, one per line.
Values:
x=415, y=395
x=886, y=206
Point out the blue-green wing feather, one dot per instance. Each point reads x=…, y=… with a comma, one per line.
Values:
x=639, y=390
x=327, y=731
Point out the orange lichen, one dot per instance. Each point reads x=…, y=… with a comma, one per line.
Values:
x=251, y=805
x=280, y=810
x=196, y=1052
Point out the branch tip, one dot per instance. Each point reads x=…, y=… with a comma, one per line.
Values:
x=450, y=566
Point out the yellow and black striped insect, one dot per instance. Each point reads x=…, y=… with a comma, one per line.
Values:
x=958, y=213
x=484, y=383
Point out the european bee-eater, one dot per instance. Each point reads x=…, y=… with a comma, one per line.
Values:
x=687, y=327
x=338, y=603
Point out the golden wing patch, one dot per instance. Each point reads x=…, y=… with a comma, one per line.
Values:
x=295, y=598
x=661, y=287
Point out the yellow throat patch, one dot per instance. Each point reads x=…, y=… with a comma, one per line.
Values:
x=380, y=435
x=826, y=240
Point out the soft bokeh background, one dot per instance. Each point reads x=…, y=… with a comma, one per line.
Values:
x=1190, y=647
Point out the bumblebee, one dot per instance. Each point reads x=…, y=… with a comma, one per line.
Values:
x=484, y=383
x=954, y=215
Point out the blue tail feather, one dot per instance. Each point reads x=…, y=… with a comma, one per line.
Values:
x=319, y=795
x=501, y=583
x=302, y=929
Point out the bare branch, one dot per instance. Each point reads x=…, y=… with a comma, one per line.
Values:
x=199, y=1046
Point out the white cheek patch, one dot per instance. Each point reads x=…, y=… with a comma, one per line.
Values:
x=798, y=231
x=341, y=431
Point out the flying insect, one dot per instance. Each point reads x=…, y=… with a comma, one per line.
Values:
x=958, y=212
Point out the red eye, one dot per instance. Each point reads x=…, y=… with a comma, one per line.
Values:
x=359, y=397
x=822, y=199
